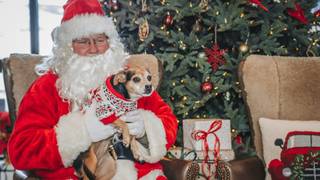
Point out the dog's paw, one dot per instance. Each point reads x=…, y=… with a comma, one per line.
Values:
x=135, y=150
x=126, y=138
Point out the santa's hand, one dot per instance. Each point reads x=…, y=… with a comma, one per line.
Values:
x=135, y=123
x=96, y=129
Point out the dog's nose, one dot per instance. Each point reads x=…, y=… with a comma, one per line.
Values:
x=148, y=88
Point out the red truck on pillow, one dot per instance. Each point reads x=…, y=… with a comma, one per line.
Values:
x=296, y=143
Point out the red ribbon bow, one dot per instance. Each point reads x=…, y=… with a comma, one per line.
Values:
x=203, y=135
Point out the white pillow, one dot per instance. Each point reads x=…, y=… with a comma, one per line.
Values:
x=272, y=129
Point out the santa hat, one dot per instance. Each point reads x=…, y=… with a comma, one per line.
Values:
x=82, y=18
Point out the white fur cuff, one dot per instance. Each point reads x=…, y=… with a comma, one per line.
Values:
x=72, y=137
x=152, y=175
x=156, y=138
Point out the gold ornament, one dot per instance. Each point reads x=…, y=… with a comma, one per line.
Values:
x=184, y=98
x=204, y=5
x=144, y=6
x=197, y=26
x=143, y=30
x=243, y=48
x=162, y=2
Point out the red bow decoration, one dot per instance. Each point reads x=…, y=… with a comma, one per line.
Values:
x=317, y=13
x=203, y=135
x=298, y=14
x=215, y=56
x=258, y=2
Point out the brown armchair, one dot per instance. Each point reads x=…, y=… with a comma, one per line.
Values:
x=279, y=88
x=18, y=71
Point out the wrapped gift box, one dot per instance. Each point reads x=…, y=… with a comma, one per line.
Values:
x=191, y=125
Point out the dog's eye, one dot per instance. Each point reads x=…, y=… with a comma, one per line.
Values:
x=149, y=78
x=136, y=79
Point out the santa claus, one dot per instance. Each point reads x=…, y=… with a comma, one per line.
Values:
x=50, y=131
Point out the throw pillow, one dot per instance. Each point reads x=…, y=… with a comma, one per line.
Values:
x=271, y=129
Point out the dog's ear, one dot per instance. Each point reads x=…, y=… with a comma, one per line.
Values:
x=119, y=78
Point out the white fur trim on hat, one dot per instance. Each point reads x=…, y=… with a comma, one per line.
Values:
x=85, y=25
x=72, y=137
x=156, y=138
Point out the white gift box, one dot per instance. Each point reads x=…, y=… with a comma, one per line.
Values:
x=191, y=125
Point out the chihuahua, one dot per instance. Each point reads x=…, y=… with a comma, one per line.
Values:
x=99, y=162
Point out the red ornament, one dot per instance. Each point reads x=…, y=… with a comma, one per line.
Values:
x=114, y=5
x=298, y=14
x=238, y=139
x=258, y=2
x=168, y=20
x=317, y=13
x=215, y=56
x=206, y=87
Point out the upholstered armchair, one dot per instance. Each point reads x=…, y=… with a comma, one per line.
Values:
x=18, y=71
x=281, y=88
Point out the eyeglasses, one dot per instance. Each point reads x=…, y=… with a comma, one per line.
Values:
x=86, y=42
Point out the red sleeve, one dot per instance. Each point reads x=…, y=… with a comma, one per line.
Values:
x=163, y=111
x=33, y=143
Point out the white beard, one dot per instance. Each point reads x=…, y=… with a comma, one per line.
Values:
x=81, y=74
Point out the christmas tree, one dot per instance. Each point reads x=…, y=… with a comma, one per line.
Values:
x=202, y=42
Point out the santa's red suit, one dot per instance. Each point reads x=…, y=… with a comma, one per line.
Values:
x=44, y=143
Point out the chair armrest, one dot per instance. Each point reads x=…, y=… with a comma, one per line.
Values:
x=178, y=169
x=250, y=168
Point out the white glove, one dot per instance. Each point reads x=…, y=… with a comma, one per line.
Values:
x=135, y=123
x=96, y=129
